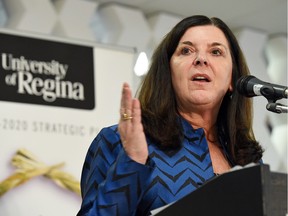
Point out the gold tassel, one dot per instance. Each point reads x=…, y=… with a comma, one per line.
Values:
x=28, y=167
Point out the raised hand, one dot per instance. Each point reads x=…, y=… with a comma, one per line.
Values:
x=131, y=128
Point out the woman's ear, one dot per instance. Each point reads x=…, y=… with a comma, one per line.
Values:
x=230, y=91
x=230, y=88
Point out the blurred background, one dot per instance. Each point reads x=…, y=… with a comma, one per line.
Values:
x=259, y=25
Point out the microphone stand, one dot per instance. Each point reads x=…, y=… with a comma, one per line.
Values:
x=276, y=107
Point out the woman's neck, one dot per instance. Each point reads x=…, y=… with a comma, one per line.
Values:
x=207, y=121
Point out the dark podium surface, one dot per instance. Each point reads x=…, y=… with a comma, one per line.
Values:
x=250, y=191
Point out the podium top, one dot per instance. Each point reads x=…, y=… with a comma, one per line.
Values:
x=250, y=191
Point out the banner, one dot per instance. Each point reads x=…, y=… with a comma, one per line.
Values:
x=55, y=96
x=44, y=72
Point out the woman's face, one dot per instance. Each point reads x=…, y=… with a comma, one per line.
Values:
x=201, y=68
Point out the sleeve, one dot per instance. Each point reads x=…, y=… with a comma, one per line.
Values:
x=111, y=182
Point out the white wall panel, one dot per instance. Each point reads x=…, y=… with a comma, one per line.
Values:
x=124, y=26
x=70, y=23
x=31, y=15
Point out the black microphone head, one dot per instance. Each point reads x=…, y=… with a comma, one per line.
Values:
x=242, y=86
x=250, y=86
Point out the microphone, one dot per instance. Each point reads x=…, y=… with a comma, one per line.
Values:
x=250, y=86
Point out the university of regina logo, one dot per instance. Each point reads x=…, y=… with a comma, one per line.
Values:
x=45, y=72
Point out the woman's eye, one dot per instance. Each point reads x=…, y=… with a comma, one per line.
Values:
x=185, y=51
x=216, y=52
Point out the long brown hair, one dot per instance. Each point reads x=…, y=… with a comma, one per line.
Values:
x=159, y=109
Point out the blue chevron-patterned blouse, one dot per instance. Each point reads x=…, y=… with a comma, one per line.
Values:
x=114, y=184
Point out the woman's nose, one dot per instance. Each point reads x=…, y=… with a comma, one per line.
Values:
x=200, y=60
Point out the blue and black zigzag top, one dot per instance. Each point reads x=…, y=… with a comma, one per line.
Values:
x=113, y=184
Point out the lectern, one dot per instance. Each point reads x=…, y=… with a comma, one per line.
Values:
x=249, y=191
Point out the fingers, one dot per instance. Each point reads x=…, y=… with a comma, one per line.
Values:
x=136, y=111
x=130, y=107
x=130, y=127
x=126, y=101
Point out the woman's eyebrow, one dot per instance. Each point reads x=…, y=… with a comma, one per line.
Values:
x=187, y=43
x=211, y=45
x=219, y=44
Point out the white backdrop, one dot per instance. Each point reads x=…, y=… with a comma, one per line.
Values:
x=56, y=134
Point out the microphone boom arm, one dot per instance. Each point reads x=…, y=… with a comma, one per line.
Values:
x=277, y=107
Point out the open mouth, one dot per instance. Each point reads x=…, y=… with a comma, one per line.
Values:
x=201, y=79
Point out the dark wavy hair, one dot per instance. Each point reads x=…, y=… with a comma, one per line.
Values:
x=160, y=117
